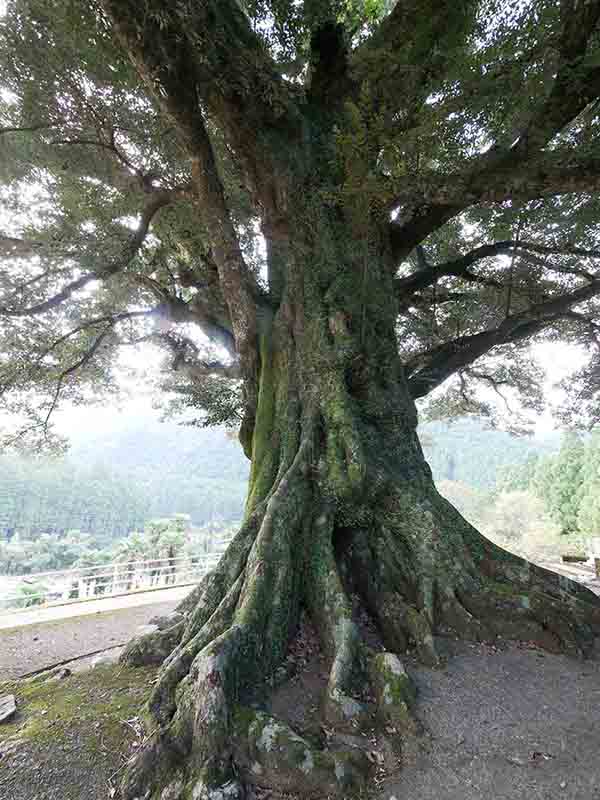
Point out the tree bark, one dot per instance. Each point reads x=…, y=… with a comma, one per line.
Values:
x=341, y=502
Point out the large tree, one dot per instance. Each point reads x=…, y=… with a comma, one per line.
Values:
x=356, y=203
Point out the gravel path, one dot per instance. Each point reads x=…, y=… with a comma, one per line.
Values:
x=506, y=724
x=29, y=648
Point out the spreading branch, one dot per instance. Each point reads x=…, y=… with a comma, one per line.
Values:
x=412, y=49
x=194, y=367
x=430, y=369
x=212, y=47
x=160, y=52
x=460, y=267
x=14, y=247
x=518, y=170
x=158, y=201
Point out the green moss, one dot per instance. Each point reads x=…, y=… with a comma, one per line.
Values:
x=501, y=588
x=103, y=697
x=263, y=457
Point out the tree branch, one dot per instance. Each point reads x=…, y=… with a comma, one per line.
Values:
x=412, y=48
x=158, y=201
x=13, y=247
x=518, y=170
x=459, y=267
x=161, y=51
x=196, y=368
x=209, y=45
x=428, y=370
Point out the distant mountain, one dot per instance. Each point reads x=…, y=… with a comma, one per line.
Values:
x=139, y=468
x=468, y=451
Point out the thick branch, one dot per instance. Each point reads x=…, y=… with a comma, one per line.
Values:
x=178, y=95
x=195, y=367
x=413, y=48
x=518, y=170
x=575, y=85
x=459, y=267
x=13, y=247
x=430, y=369
x=209, y=45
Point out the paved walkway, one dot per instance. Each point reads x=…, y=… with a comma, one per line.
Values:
x=36, y=616
x=40, y=644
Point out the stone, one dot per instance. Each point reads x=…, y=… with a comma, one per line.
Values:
x=395, y=693
x=59, y=674
x=163, y=622
x=8, y=707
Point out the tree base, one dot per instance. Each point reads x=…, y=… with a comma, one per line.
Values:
x=420, y=570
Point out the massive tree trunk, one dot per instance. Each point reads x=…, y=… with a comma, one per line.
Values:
x=341, y=502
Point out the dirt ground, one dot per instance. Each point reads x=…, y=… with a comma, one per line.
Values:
x=506, y=724
x=501, y=722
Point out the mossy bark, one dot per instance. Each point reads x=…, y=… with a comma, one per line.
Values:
x=340, y=501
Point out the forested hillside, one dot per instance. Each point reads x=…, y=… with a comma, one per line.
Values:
x=112, y=482
x=468, y=451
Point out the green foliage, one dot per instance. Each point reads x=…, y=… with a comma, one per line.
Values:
x=567, y=482
x=588, y=512
x=29, y=594
x=111, y=484
x=470, y=452
x=427, y=92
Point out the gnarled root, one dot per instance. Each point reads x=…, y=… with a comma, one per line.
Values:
x=237, y=633
x=272, y=755
x=419, y=569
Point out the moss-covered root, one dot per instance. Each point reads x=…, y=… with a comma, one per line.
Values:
x=395, y=693
x=153, y=647
x=273, y=756
x=516, y=599
x=382, y=575
x=331, y=612
x=189, y=749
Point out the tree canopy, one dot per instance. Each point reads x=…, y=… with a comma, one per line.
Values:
x=320, y=212
x=142, y=149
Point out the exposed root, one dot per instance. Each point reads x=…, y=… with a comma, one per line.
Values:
x=331, y=610
x=162, y=703
x=272, y=755
x=419, y=569
x=194, y=706
x=395, y=694
x=389, y=595
x=461, y=620
x=154, y=647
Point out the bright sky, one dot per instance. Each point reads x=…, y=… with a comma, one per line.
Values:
x=559, y=361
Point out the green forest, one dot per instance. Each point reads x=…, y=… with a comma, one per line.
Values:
x=127, y=489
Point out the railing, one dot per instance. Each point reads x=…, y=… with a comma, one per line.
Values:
x=60, y=587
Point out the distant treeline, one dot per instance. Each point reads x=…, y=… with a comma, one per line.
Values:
x=567, y=482
x=112, y=485
x=468, y=451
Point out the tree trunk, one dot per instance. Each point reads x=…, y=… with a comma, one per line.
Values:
x=341, y=502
